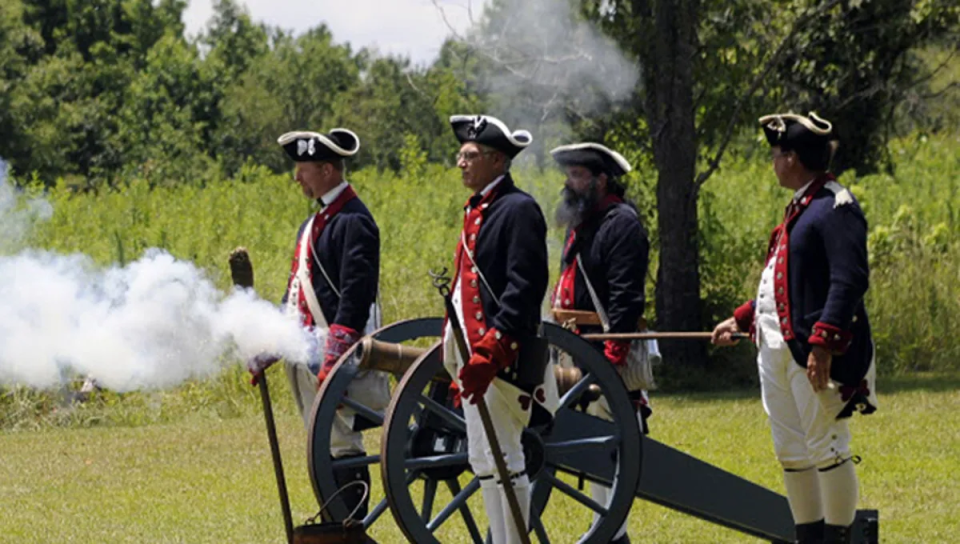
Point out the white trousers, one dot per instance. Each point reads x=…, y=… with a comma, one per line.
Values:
x=805, y=430
x=601, y=493
x=372, y=389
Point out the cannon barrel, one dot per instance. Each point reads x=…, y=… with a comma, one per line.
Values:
x=386, y=356
x=568, y=377
x=397, y=358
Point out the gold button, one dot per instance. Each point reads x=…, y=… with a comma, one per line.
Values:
x=478, y=315
x=482, y=331
x=498, y=335
x=779, y=275
x=513, y=346
x=780, y=291
x=473, y=237
x=477, y=222
x=473, y=269
x=476, y=300
x=473, y=283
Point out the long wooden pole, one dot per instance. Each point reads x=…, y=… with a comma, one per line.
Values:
x=658, y=336
x=275, y=453
x=485, y=418
x=241, y=270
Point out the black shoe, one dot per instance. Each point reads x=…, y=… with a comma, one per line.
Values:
x=836, y=534
x=810, y=533
x=625, y=539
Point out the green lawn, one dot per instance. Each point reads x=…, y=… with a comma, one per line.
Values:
x=209, y=480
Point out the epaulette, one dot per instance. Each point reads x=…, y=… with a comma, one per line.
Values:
x=841, y=196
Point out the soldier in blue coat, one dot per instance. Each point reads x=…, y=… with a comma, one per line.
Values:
x=332, y=288
x=500, y=280
x=816, y=354
x=604, y=266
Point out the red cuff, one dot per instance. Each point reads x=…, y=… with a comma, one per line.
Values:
x=339, y=340
x=616, y=351
x=498, y=348
x=743, y=315
x=837, y=341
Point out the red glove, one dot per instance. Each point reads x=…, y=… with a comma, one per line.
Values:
x=339, y=340
x=454, y=394
x=494, y=352
x=616, y=351
x=259, y=364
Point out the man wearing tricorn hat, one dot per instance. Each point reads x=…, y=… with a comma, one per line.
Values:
x=332, y=288
x=500, y=279
x=816, y=354
x=604, y=266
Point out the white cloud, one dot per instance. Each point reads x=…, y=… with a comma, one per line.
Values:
x=411, y=28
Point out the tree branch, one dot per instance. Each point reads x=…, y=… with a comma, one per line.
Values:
x=754, y=85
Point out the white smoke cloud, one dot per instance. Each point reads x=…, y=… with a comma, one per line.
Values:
x=549, y=63
x=151, y=324
x=17, y=214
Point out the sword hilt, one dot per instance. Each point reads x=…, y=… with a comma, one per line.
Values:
x=441, y=281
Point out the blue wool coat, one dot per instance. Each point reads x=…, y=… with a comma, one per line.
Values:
x=349, y=249
x=827, y=276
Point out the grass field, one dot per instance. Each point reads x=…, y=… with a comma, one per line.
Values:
x=209, y=479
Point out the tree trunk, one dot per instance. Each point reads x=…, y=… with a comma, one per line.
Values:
x=668, y=75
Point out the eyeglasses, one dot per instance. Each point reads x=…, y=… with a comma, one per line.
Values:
x=470, y=156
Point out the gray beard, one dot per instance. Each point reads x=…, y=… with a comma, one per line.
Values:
x=574, y=207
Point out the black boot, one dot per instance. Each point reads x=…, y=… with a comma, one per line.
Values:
x=810, y=533
x=353, y=495
x=836, y=534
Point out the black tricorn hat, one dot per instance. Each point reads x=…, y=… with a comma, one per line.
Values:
x=491, y=132
x=597, y=158
x=790, y=131
x=811, y=137
x=303, y=146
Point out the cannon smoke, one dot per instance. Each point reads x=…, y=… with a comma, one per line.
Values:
x=153, y=323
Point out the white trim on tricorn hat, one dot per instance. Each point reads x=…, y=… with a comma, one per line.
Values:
x=302, y=146
x=776, y=126
x=587, y=152
x=491, y=132
x=814, y=122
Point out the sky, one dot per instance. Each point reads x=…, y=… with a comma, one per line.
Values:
x=413, y=28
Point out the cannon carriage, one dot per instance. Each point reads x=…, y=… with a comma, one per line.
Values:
x=423, y=453
x=423, y=443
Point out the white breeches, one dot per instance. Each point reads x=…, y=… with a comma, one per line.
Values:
x=805, y=430
x=509, y=420
x=372, y=389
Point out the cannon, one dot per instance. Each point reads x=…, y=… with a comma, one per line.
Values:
x=423, y=443
x=423, y=450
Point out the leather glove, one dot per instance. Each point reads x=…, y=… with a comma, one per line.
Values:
x=616, y=351
x=339, y=340
x=454, y=394
x=494, y=352
x=259, y=364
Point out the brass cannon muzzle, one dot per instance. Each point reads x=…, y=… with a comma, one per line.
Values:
x=567, y=377
x=386, y=356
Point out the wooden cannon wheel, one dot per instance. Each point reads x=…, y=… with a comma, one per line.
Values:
x=333, y=394
x=424, y=441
